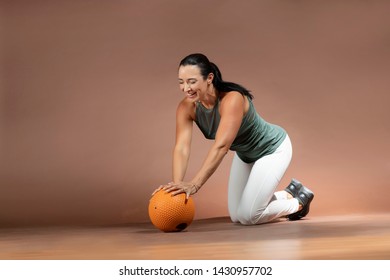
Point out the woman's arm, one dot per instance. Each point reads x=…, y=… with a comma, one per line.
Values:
x=181, y=151
x=232, y=111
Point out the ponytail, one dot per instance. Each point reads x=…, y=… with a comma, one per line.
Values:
x=224, y=86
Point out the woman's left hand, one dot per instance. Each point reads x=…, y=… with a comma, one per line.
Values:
x=183, y=187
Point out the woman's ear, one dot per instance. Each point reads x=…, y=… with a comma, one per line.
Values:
x=210, y=78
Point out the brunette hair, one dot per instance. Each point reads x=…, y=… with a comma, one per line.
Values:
x=206, y=67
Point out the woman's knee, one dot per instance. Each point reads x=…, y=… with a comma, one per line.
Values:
x=247, y=217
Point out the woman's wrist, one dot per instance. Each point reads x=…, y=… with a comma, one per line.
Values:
x=196, y=186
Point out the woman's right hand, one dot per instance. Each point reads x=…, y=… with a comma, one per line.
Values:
x=176, y=188
x=161, y=187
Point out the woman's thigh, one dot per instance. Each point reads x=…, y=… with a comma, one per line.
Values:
x=262, y=181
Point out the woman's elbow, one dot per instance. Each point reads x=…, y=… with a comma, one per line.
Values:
x=222, y=148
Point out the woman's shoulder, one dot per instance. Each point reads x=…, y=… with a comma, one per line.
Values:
x=230, y=95
x=234, y=98
x=186, y=107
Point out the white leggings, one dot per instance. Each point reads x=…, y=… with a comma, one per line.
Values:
x=251, y=191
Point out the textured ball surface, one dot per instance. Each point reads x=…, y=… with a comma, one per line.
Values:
x=171, y=213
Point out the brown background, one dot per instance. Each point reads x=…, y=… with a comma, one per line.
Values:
x=89, y=91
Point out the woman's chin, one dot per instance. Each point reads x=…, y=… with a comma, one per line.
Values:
x=193, y=98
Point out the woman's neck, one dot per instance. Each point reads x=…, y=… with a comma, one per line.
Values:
x=210, y=99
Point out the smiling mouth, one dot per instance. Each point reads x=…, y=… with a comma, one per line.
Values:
x=191, y=95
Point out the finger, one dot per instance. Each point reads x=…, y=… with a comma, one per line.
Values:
x=156, y=190
x=169, y=189
x=161, y=187
x=177, y=191
x=171, y=184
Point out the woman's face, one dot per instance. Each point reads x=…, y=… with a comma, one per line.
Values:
x=192, y=82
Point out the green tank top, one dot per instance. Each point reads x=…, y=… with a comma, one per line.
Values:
x=255, y=138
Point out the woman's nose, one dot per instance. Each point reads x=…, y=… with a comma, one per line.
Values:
x=187, y=87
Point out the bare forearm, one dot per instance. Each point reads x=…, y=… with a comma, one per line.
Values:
x=211, y=163
x=180, y=163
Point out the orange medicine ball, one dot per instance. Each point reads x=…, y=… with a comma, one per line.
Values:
x=171, y=213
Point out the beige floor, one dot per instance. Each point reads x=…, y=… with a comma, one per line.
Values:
x=339, y=237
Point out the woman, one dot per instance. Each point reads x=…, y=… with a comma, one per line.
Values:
x=224, y=112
